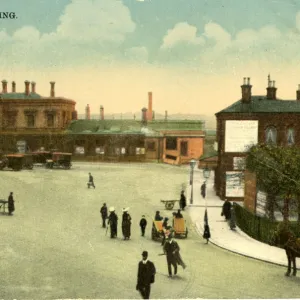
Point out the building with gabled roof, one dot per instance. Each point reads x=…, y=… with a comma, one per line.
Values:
x=250, y=120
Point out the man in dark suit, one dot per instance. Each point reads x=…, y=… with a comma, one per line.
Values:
x=146, y=276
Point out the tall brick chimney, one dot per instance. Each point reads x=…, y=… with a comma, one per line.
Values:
x=144, y=115
x=271, y=89
x=246, y=90
x=13, y=87
x=149, y=113
x=27, y=83
x=298, y=93
x=32, y=87
x=87, y=112
x=166, y=115
x=101, y=113
x=52, y=89
x=4, y=86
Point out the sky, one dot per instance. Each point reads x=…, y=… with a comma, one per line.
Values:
x=192, y=54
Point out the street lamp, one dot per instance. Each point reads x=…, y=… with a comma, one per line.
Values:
x=192, y=165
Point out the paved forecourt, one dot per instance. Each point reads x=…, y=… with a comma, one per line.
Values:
x=54, y=246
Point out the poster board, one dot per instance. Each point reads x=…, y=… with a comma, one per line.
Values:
x=240, y=135
x=235, y=184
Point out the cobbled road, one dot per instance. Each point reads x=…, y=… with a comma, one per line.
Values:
x=54, y=246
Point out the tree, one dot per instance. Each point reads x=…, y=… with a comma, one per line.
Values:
x=277, y=172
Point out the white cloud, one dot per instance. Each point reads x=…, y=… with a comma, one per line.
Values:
x=181, y=33
x=98, y=20
x=26, y=34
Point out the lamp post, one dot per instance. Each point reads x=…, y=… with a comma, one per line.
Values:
x=192, y=165
x=206, y=172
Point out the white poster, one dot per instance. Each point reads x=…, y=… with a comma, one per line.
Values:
x=235, y=184
x=261, y=199
x=240, y=135
x=21, y=146
x=239, y=163
x=79, y=150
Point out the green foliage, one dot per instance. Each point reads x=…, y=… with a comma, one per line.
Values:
x=277, y=168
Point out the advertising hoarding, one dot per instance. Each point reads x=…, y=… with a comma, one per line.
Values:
x=241, y=134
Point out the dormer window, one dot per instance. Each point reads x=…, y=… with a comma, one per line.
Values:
x=291, y=136
x=271, y=135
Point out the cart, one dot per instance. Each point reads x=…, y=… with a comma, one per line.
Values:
x=180, y=228
x=169, y=204
x=157, y=232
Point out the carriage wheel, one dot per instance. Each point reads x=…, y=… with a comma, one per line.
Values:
x=169, y=205
x=186, y=233
x=153, y=234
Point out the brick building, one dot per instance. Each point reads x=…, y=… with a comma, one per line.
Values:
x=31, y=119
x=252, y=119
x=170, y=141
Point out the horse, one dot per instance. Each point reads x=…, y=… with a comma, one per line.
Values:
x=286, y=239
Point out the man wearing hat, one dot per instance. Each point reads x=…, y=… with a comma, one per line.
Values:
x=126, y=224
x=113, y=222
x=103, y=212
x=146, y=276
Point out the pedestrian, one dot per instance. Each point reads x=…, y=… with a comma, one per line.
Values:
x=206, y=234
x=171, y=249
x=165, y=227
x=11, y=204
x=113, y=222
x=232, y=222
x=182, y=201
x=91, y=181
x=104, y=214
x=158, y=217
x=143, y=224
x=203, y=190
x=145, y=276
x=178, y=215
x=126, y=224
x=226, y=210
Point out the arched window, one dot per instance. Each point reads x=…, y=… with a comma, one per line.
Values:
x=291, y=136
x=271, y=135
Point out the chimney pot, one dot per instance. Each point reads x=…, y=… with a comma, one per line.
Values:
x=13, y=87
x=298, y=93
x=149, y=114
x=52, y=89
x=4, y=86
x=101, y=112
x=271, y=90
x=87, y=112
x=33, y=87
x=27, y=87
x=246, y=90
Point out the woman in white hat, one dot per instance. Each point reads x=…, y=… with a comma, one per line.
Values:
x=126, y=224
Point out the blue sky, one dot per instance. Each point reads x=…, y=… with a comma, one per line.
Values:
x=179, y=49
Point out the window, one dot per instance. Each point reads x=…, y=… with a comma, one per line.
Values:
x=184, y=148
x=117, y=151
x=290, y=136
x=123, y=150
x=151, y=146
x=271, y=135
x=30, y=121
x=11, y=121
x=99, y=150
x=171, y=143
x=50, y=120
x=139, y=151
x=79, y=150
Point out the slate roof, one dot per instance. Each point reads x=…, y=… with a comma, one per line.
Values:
x=152, y=128
x=260, y=104
x=20, y=96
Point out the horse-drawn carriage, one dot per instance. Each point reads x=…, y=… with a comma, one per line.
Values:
x=40, y=157
x=17, y=161
x=59, y=160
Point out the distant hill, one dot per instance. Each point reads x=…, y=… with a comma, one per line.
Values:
x=210, y=121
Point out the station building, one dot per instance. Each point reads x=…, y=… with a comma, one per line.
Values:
x=250, y=120
x=30, y=122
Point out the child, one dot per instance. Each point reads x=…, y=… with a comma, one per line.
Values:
x=143, y=224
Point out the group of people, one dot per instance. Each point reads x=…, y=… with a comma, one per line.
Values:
x=113, y=221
